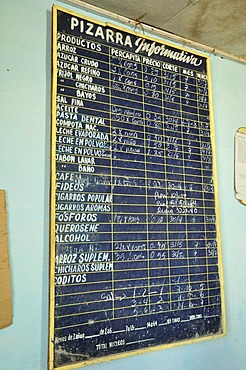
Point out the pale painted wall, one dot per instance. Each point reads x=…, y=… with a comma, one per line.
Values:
x=24, y=174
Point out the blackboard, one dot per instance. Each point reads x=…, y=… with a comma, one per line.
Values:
x=135, y=244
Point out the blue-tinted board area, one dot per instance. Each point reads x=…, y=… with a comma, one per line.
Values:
x=136, y=241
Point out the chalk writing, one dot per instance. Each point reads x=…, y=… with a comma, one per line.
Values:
x=136, y=259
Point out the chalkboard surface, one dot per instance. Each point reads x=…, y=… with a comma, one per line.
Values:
x=135, y=243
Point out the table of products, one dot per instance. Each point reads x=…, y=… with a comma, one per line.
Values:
x=135, y=252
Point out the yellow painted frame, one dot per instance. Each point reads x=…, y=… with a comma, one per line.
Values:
x=52, y=197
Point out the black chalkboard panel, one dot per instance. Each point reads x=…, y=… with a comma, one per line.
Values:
x=134, y=235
